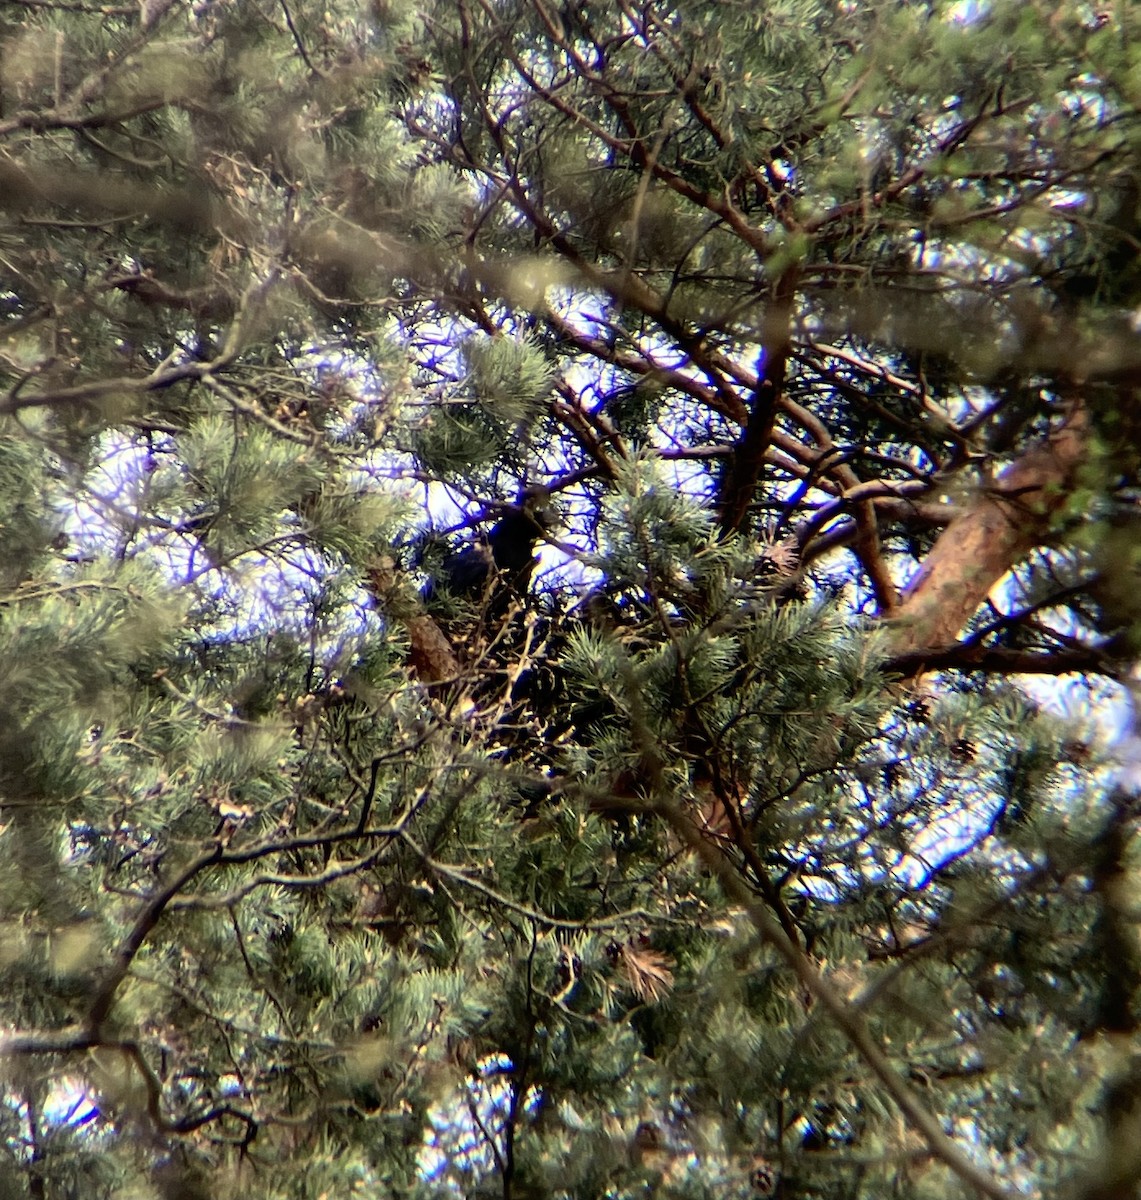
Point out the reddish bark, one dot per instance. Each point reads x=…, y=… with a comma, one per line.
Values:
x=978, y=547
x=430, y=653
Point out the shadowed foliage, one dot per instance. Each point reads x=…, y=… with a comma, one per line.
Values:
x=569, y=599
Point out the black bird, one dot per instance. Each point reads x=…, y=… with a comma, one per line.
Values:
x=508, y=551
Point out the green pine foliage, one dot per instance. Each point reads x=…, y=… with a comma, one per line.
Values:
x=650, y=866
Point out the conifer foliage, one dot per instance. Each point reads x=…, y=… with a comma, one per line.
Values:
x=568, y=576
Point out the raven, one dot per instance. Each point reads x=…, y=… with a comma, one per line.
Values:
x=508, y=551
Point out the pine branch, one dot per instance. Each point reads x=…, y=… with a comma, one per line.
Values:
x=148, y=917
x=845, y=1016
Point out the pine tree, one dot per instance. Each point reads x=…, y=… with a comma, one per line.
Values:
x=526, y=531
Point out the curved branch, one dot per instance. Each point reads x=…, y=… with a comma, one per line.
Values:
x=147, y=918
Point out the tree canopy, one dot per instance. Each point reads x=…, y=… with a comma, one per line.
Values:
x=569, y=577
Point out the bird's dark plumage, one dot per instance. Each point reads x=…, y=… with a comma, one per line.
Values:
x=465, y=572
x=508, y=550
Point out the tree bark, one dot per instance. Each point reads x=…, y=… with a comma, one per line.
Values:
x=982, y=544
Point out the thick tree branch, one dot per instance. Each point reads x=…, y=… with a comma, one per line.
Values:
x=999, y=660
x=430, y=653
x=739, y=483
x=978, y=548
